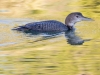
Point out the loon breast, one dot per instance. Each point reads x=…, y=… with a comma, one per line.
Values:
x=49, y=25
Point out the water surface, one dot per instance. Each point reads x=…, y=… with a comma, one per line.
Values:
x=49, y=54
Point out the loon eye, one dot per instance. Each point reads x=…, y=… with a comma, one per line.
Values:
x=77, y=16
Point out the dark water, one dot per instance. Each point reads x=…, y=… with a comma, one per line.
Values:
x=52, y=53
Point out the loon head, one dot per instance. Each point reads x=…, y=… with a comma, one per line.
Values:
x=75, y=17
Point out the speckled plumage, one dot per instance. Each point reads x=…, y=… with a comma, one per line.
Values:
x=49, y=25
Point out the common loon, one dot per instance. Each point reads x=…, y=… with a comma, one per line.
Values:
x=53, y=25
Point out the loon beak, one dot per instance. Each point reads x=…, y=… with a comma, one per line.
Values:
x=86, y=19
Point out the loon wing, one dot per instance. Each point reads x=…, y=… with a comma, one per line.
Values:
x=50, y=25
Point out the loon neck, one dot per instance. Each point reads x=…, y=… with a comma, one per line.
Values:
x=70, y=26
x=69, y=23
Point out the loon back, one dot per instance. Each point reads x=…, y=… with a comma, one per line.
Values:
x=49, y=25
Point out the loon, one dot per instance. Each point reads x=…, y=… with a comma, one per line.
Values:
x=53, y=25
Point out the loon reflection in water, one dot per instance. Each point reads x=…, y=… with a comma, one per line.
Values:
x=71, y=37
x=74, y=39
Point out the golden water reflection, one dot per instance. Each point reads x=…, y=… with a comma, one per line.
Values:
x=20, y=55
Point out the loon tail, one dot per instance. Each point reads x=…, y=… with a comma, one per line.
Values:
x=21, y=28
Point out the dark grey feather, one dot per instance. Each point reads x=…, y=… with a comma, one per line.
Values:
x=50, y=25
